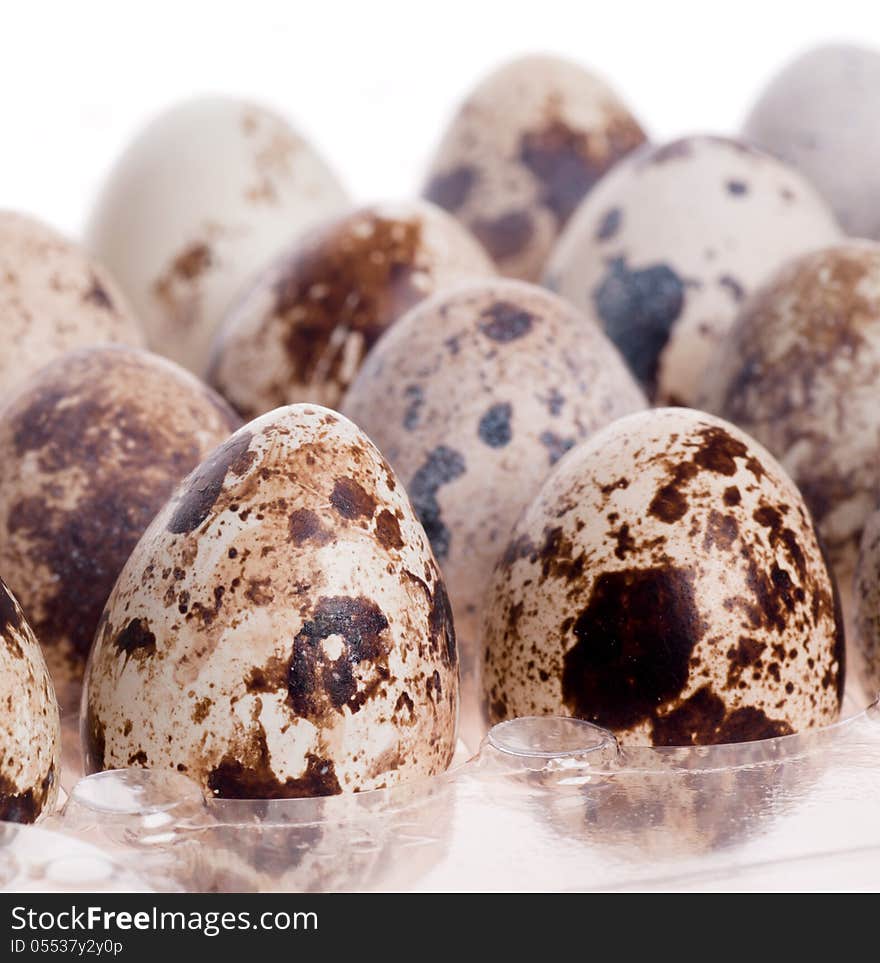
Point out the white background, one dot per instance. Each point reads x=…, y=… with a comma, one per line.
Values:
x=373, y=82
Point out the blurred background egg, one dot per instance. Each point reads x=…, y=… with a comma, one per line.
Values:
x=663, y=251
x=666, y=584
x=282, y=628
x=820, y=115
x=800, y=371
x=866, y=645
x=523, y=150
x=204, y=196
x=30, y=731
x=90, y=448
x=473, y=396
x=53, y=298
x=302, y=330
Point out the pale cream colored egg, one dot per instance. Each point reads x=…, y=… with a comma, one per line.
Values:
x=54, y=298
x=201, y=199
x=663, y=252
x=799, y=371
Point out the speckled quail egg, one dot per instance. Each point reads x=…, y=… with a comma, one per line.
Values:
x=799, y=372
x=282, y=628
x=30, y=730
x=301, y=332
x=819, y=114
x=91, y=447
x=201, y=199
x=867, y=607
x=663, y=251
x=521, y=153
x=666, y=584
x=473, y=396
x=53, y=298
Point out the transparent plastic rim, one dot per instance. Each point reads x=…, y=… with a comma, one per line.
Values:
x=566, y=739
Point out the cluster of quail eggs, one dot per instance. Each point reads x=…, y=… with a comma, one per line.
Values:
x=295, y=493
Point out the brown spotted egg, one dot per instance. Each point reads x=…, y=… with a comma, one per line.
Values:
x=30, y=730
x=473, y=396
x=302, y=331
x=799, y=372
x=282, y=628
x=666, y=584
x=662, y=253
x=53, y=299
x=521, y=153
x=91, y=448
x=200, y=200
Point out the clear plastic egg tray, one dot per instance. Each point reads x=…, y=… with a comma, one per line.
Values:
x=547, y=804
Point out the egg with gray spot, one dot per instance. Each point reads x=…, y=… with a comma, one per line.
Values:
x=302, y=330
x=799, y=371
x=282, y=628
x=91, y=447
x=473, y=396
x=666, y=584
x=30, y=729
x=54, y=298
x=522, y=151
x=663, y=251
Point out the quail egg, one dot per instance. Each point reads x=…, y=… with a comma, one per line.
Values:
x=200, y=200
x=30, y=732
x=662, y=253
x=819, y=115
x=91, y=447
x=301, y=332
x=53, y=299
x=282, y=628
x=666, y=584
x=473, y=396
x=521, y=153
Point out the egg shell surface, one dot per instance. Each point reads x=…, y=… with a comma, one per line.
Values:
x=666, y=584
x=282, y=628
x=202, y=198
x=54, y=298
x=867, y=608
x=663, y=251
x=819, y=115
x=799, y=371
x=522, y=151
x=91, y=447
x=302, y=332
x=473, y=396
x=30, y=729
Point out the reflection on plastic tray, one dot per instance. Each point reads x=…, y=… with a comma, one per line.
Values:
x=547, y=804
